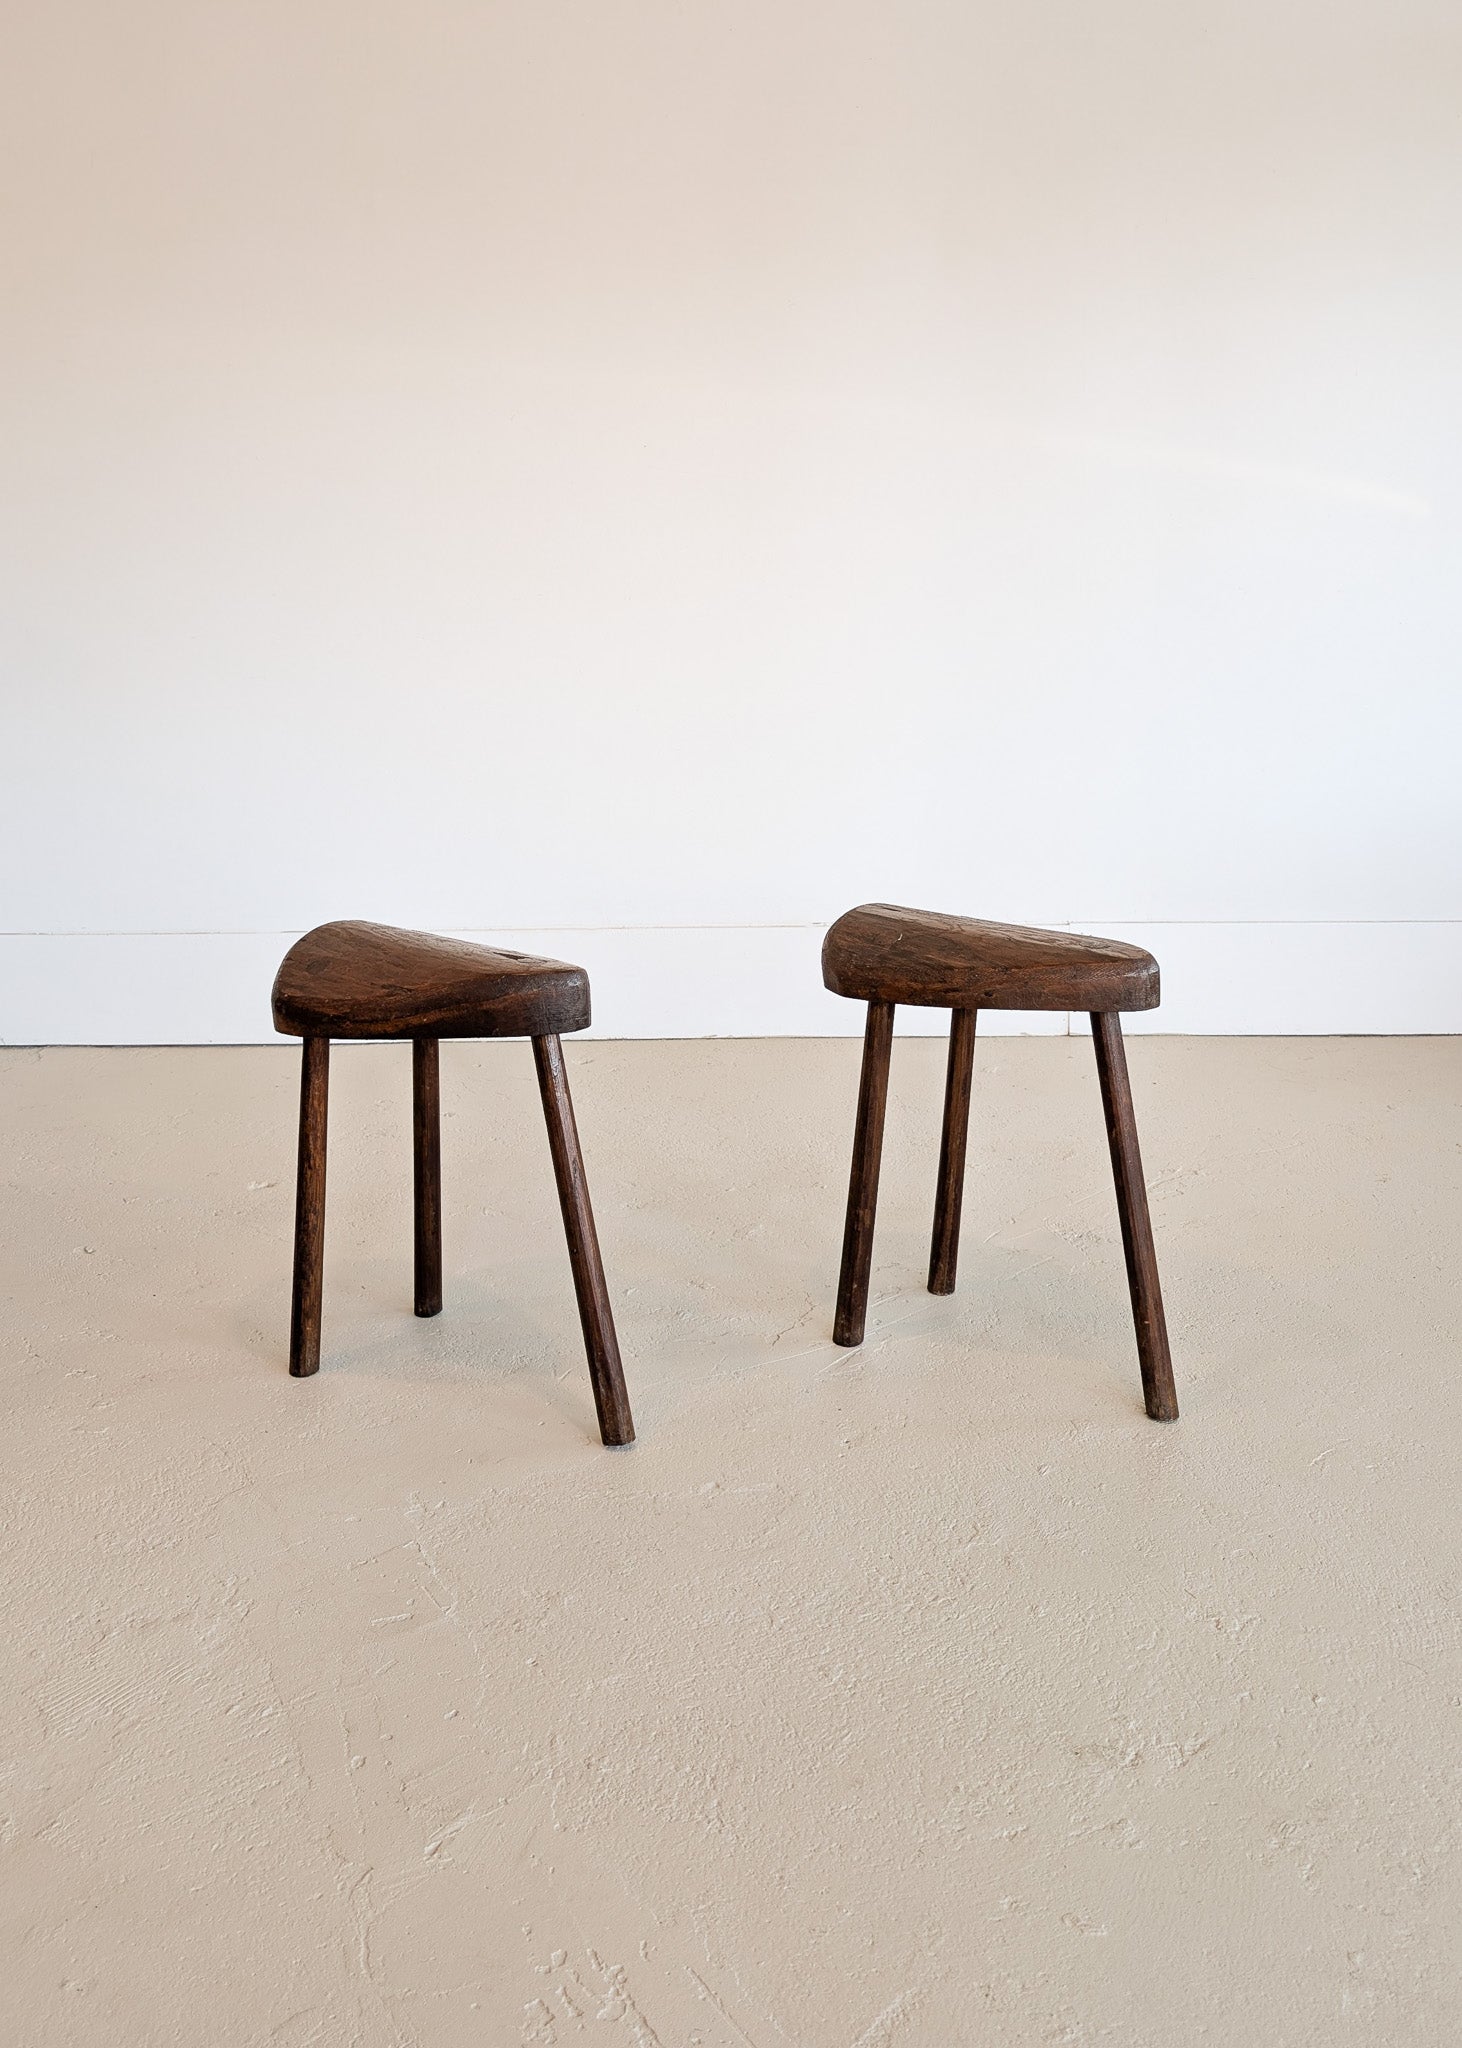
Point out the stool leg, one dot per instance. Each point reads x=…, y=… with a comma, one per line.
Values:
x=1142, y=1280
x=616, y=1425
x=426, y=1122
x=309, y=1211
x=944, y=1250
x=852, y=1311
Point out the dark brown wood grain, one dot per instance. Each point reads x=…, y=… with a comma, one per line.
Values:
x=852, y=1309
x=426, y=1176
x=1154, y=1357
x=881, y=952
x=309, y=1210
x=606, y=1375
x=354, y=980
x=949, y=1197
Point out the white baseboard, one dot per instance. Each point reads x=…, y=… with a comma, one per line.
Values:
x=1301, y=980
x=176, y=988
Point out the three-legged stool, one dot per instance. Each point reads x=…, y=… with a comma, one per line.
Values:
x=882, y=955
x=372, y=981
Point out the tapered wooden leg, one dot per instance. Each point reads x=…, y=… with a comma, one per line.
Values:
x=309, y=1211
x=1147, y=1310
x=616, y=1425
x=852, y=1311
x=944, y=1250
x=426, y=1120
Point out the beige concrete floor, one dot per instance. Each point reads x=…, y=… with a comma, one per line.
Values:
x=921, y=1695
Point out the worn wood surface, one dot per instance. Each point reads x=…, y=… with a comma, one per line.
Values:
x=883, y=953
x=852, y=1309
x=309, y=1210
x=1153, y=1355
x=611, y=1399
x=949, y=1196
x=426, y=1176
x=353, y=980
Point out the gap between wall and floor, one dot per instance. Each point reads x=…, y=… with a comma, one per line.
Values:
x=747, y=981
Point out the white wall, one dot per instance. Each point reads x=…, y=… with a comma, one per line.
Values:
x=658, y=473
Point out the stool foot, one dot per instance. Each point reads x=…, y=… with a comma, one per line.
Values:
x=309, y=1211
x=426, y=1122
x=944, y=1250
x=1147, y=1309
x=606, y=1374
x=852, y=1311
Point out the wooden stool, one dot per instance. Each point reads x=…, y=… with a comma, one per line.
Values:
x=372, y=981
x=883, y=955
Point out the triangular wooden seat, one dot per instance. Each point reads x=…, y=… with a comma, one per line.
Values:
x=353, y=980
x=882, y=953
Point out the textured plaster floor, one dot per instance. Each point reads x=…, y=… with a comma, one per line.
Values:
x=921, y=1695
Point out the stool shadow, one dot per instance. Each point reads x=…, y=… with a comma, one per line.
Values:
x=494, y=1327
